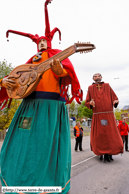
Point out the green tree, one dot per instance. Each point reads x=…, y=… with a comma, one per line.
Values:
x=117, y=114
x=123, y=111
x=72, y=109
x=80, y=109
x=83, y=111
x=6, y=115
x=5, y=68
x=87, y=112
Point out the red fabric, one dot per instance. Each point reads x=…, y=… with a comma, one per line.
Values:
x=70, y=79
x=33, y=37
x=104, y=138
x=3, y=94
x=49, y=33
x=4, y=98
x=124, y=129
x=47, y=24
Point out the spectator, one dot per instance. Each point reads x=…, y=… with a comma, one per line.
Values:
x=78, y=133
x=124, y=129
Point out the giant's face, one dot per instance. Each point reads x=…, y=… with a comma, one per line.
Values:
x=42, y=45
x=97, y=77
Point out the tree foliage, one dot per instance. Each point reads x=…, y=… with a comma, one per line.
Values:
x=118, y=113
x=6, y=115
x=79, y=111
x=72, y=109
x=5, y=68
x=87, y=112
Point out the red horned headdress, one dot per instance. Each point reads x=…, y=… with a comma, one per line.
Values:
x=48, y=34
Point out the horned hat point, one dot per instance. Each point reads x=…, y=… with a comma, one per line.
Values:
x=48, y=34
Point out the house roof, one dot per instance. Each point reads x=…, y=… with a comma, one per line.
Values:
x=126, y=107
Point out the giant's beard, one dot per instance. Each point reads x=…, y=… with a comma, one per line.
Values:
x=98, y=80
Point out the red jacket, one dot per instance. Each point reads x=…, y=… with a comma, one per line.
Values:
x=124, y=129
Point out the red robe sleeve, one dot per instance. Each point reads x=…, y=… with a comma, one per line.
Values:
x=88, y=99
x=4, y=98
x=114, y=97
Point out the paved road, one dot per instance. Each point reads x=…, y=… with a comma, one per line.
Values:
x=91, y=176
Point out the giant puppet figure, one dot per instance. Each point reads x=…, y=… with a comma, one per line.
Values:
x=105, y=138
x=37, y=147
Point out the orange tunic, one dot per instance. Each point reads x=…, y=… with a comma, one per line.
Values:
x=48, y=82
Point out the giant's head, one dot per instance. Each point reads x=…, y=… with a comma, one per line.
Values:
x=97, y=77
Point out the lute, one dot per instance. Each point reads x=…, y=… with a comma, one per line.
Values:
x=27, y=76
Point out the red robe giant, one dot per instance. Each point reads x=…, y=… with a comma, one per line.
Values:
x=105, y=136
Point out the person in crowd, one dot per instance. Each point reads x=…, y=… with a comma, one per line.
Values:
x=124, y=130
x=78, y=133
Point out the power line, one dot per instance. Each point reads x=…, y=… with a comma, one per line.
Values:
x=120, y=77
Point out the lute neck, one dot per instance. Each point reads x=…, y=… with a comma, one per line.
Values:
x=61, y=55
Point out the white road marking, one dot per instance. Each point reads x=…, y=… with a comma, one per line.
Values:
x=83, y=161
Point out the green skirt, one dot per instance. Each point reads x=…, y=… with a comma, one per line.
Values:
x=37, y=147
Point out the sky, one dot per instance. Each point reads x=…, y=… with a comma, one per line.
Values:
x=104, y=23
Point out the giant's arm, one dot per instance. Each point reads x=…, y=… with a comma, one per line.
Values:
x=114, y=97
x=88, y=99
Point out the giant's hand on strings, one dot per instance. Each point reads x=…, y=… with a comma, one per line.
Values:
x=56, y=67
x=8, y=83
